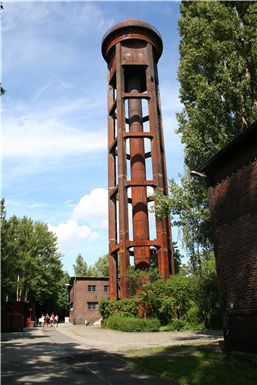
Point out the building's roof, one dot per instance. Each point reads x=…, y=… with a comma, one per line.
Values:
x=86, y=278
x=245, y=141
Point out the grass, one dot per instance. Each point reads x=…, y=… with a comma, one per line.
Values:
x=196, y=365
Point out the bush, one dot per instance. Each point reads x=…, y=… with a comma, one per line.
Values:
x=106, y=308
x=179, y=325
x=138, y=278
x=192, y=315
x=132, y=324
x=191, y=298
x=126, y=307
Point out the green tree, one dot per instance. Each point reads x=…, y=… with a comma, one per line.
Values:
x=186, y=300
x=101, y=266
x=150, y=291
x=7, y=258
x=181, y=291
x=217, y=73
x=206, y=294
x=138, y=277
x=62, y=302
x=31, y=265
x=80, y=267
x=191, y=213
x=177, y=257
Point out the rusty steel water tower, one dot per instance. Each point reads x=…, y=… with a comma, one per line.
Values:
x=136, y=157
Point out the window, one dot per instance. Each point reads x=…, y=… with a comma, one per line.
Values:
x=92, y=305
x=91, y=287
x=106, y=287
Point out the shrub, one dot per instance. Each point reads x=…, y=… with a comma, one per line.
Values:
x=138, y=278
x=192, y=315
x=132, y=324
x=106, y=308
x=179, y=324
x=125, y=307
x=190, y=297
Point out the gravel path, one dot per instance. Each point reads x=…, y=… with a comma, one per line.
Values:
x=115, y=341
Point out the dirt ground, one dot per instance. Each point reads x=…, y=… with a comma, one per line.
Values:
x=115, y=341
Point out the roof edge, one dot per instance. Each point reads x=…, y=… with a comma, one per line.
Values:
x=250, y=130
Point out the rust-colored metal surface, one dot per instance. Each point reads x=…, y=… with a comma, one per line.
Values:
x=132, y=49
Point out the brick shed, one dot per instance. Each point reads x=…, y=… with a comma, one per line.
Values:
x=232, y=194
x=85, y=295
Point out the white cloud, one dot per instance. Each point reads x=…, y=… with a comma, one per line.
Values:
x=48, y=138
x=70, y=233
x=93, y=208
x=89, y=214
x=79, y=16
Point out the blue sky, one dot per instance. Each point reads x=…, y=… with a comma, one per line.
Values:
x=54, y=114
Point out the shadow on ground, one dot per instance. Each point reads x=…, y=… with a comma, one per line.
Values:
x=55, y=359
x=211, y=334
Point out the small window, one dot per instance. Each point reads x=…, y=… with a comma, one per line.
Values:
x=92, y=305
x=106, y=287
x=91, y=287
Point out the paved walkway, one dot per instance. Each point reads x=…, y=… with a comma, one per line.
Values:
x=117, y=342
x=51, y=356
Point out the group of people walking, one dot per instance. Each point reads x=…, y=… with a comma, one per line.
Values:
x=47, y=320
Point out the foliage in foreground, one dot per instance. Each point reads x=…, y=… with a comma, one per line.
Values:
x=196, y=365
x=132, y=324
x=182, y=302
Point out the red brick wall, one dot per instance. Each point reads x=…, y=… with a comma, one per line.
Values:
x=235, y=208
x=234, y=211
x=80, y=297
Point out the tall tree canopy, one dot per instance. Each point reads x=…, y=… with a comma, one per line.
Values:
x=217, y=73
x=80, y=267
x=31, y=265
x=99, y=269
x=102, y=266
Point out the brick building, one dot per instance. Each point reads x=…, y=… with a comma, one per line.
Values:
x=17, y=315
x=85, y=295
x=232, y=194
